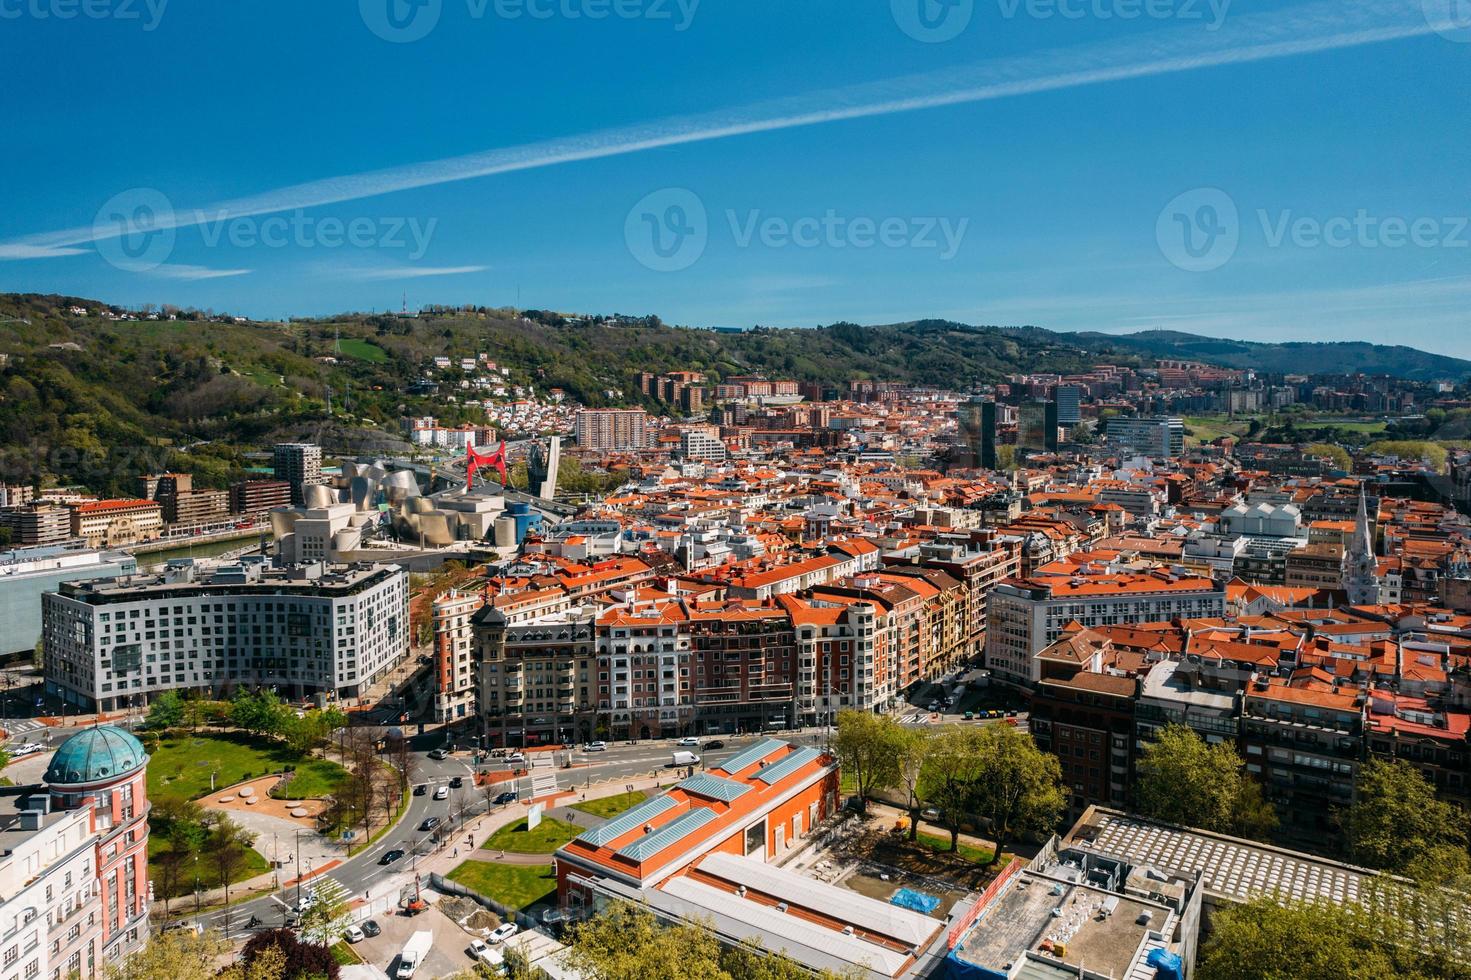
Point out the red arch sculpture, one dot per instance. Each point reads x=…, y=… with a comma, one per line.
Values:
x=474, y=460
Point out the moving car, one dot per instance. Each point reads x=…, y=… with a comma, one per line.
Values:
x=717, y=744
x=441, y=792
x=503, y=932
x=690, y=741
x=595, y=747
x=429, y=823
x=29, y=748
x=391, y=856
x=438, y=754
x=354, y=934
x=505, y=798
x=456, y=782
x=421, y=789
x=515, y=759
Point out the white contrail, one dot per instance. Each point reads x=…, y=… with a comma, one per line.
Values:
x=1307, y=29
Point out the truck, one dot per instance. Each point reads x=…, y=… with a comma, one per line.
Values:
x=685, y=759
x=413, y=953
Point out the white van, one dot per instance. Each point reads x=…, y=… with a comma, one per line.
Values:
x=685, y=759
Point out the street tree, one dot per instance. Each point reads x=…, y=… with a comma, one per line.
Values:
x=1182, y=780
x=1292, y=941
x=166, y=711
x=175, y=955
x=949, y=772
x=227, y=844
x=325, y=915
x=865, y=744
x=912, y=747
x=1397, y=824
x=1015, y=786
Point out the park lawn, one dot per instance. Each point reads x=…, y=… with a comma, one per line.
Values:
x=515, y=886
x=362, y=350
x=610, y=806
x=252, y=865
x=181, y=764
x=313, y=780
x=977, y=855
x=549, y=835
x=345, y=955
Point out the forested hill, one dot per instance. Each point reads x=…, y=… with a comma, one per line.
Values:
x=97, y=400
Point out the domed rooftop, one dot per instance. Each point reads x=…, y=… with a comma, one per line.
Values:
x=95, y=755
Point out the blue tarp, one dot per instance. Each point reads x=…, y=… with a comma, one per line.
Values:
x=908, y=898
x=1167, y=965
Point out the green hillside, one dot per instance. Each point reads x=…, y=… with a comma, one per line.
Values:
x=97, y=401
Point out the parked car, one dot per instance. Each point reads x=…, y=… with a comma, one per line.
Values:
x=595, y=747
x=421, y=789
x=429, y=824
x=929, y=813
x=689, y=740
x=438, y=754
x=505, y=798
x=441, y=792
x=717, y=744
x=353, y=934
x=503, y=932
x=456, y=782
x=370, y=929
x=391, y=856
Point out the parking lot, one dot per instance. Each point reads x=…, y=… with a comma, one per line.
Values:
x=449, y=956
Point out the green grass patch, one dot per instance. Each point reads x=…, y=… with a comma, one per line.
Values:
x=977, y=855
x=514, y=886
x=362, y=350
x=209, y=876
x=312, y=780
x=345, y=955
x=610, y=806
x=549, y=835
x=180, y=765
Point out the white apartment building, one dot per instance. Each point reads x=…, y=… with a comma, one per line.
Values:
x=50, y=902
x=1024, y=616
x=306, y=630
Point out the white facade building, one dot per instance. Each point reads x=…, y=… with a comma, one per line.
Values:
x=305, y=630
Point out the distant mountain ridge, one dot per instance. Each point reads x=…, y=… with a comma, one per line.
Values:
x=1290, y=357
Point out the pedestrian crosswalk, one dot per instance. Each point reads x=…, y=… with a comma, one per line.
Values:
x=21, y=726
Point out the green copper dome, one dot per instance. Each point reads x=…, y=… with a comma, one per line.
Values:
x=95, y=755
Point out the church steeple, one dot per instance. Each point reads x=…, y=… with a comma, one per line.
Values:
x=1360, y=568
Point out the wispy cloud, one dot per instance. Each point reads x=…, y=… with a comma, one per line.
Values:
x=21, y=250
x=194, y=272
x=1307, y=29
x=381, y=273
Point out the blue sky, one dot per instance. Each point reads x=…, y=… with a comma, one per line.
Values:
x=784, y=162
